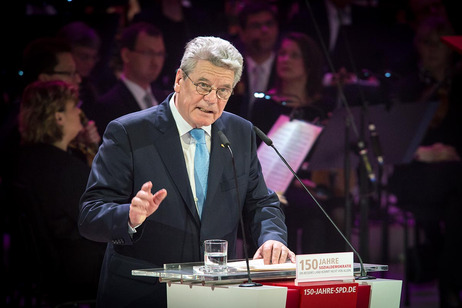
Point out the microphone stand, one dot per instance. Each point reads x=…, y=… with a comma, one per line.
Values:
x=249, y=283
x=365, y=168
x=347, y=180
x=363, y=274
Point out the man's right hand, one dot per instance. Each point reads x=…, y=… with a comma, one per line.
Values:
x=144, y=204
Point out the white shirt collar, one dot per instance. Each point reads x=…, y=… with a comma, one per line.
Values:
x=137, y=91
x=266, y=65
x=181, y=124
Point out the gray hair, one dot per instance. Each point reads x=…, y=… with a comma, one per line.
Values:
x=217, y=51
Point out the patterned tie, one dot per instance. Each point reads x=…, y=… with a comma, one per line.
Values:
x=201, y=167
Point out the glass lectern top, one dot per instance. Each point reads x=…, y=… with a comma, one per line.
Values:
x=237, y=271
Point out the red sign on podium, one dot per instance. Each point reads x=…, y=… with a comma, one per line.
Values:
x=324, y=294
x=328, y=294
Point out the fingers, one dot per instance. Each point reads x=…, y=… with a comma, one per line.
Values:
x=145, y=203
x=159, y=196
x=278, y=255
x=274, y=252
x=91, y=132
x=258, y=254
x=147, y=186
x=292, y=256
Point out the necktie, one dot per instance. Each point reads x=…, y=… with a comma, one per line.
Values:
x=256, y=87
x=257, y=79
x=201, y=167
x=148, y=100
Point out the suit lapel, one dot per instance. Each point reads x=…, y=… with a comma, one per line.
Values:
x=217, y=162
x=128, y=101
x=171, y=153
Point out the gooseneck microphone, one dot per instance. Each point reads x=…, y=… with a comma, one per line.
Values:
x=269, y=142
x=225, y=143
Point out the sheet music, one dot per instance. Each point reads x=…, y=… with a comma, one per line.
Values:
x=293, y=139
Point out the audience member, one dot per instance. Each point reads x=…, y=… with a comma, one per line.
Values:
x=299, y=94
x=430, y=185
x=142, y=51
x=50, y=58
x=186, y=20
x=153, y=150
x=85, y=45
x=258, y=36
x=354, y=39
x=49, y=179
x=45, y=59
x=169, y=17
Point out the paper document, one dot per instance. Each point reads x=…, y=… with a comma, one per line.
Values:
x=258, y=265
x=293, y=139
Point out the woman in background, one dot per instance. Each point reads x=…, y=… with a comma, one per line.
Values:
x=50, y=177
x=299, y=94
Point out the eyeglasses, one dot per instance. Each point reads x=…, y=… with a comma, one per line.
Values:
x=85, y=57
x=70, y=74
x=204, y=89
x=151, y=54
x=258, y=25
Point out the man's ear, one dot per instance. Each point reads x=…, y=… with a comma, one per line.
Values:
x=178, y=77
x=124, y=54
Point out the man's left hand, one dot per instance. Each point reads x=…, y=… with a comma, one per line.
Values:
x=274, y=252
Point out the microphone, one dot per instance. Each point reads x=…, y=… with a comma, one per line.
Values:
x=376, y=147
x=225, y=143
x=269, y=142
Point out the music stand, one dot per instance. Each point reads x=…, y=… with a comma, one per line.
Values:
x=400, y=129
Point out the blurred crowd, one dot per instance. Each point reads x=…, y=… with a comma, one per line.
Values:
x=70, y=67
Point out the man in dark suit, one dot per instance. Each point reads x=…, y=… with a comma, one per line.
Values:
x=142, y=52
x=258, y=36
x=153, y=150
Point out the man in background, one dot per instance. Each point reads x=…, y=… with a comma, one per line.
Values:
x=142, y=52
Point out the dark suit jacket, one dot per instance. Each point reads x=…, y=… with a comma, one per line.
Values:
x=117, y=102
x=239, y=102
x=145, y=146
x=48, y=184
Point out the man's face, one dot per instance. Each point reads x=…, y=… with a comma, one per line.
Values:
x=260, y=33
x=64, y=70
x=85, y=59
x=144, y=63
x=202, y=110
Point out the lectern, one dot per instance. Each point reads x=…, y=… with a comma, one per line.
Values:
x=190, y=287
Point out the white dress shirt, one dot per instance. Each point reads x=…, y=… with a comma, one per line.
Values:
x=188, y=143
x=139, y=93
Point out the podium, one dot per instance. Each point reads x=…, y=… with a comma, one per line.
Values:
x=227, y=296
x=187, y=287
